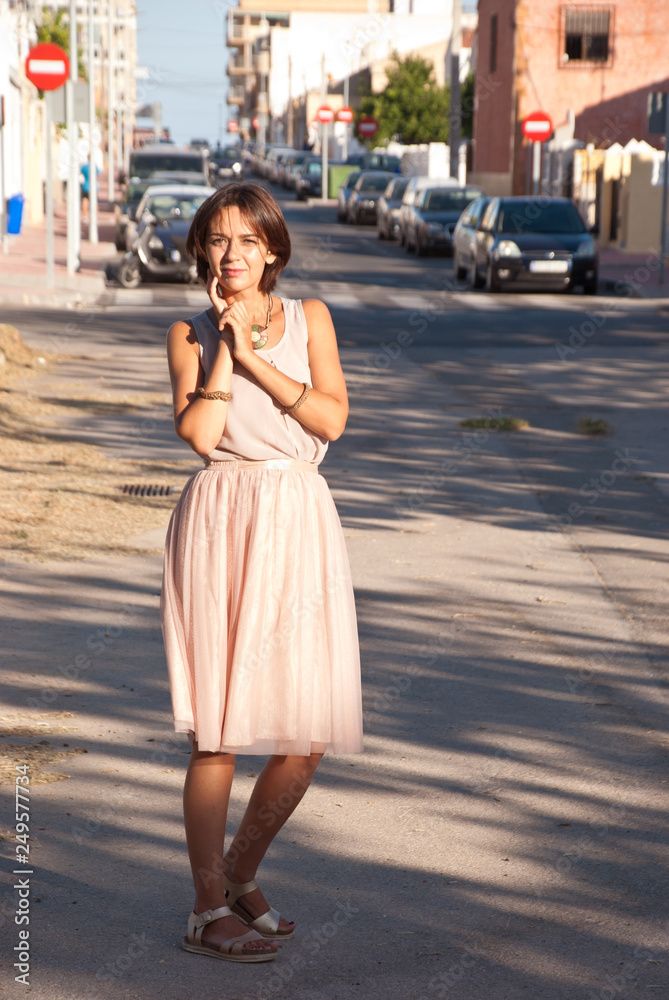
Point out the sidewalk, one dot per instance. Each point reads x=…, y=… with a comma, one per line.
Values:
x=23, y=269
x=637, y=274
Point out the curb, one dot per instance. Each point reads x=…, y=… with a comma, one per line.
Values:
x=616, y=286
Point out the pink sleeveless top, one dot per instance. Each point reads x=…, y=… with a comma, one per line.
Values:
x=256, y=426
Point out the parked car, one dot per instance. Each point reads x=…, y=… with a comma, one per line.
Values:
x=308, y=183
x=344, y=193
x=162, y=156
x=164, y=216
x=290, y=168
x=368, y=188
x=227, y=164
x=535, y=242
x=124, y=211
x=388, y=209
x=415, y=185
x=375, y=161
x=464, y=239
x=433, y=216
x=271, y=162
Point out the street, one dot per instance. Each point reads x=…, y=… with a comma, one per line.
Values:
x=512, y=606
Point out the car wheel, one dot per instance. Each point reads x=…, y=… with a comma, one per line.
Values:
x=401, y=238
x=460, y=271
x=491, y=282
x=129, y=274
x=420, y=249
x=380, y=233
x=590, y=287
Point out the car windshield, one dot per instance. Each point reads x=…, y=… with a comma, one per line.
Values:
x=448, y=199
x=373, y=183
x=172, y=206
x=537, y=217
x=144, y=165
x=397, y=189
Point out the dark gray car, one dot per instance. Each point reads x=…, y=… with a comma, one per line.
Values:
x=369, y=187
x=539, y=243
x=388, y=209
x=433, y=216
x=464, y=239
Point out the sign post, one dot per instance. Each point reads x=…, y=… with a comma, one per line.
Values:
x=325, y=115
x=47, y=67
x=92, y=164
x=73, y=196
x=537, y=127
x=345, y=115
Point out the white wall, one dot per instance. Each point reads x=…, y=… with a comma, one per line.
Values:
x=350, y=42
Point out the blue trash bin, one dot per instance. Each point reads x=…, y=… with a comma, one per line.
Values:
x=14, y=213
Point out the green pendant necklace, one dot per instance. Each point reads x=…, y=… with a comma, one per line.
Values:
x=257, y=340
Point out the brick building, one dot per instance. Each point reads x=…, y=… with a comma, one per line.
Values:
x=590, y=66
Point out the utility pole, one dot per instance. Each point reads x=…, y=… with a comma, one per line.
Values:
x=92, y=162
x=73, y=196
x=346, y=78
x=110, y=105
x=455, y=108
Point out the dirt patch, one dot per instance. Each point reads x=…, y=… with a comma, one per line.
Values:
x=61, y=499
x=33, y=750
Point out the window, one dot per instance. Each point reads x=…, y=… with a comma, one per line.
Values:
x=493, y=43
x=587, y=35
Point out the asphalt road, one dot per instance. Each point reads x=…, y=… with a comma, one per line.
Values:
x=504, y=833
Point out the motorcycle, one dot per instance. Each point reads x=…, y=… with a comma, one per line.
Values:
x=156, y=253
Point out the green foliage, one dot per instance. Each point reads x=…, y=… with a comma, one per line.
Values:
x=412, y=108
x=467, y=106
x=55, y=28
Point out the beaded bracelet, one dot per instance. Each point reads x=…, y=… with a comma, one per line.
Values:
x=216, y=394
x=303, y=398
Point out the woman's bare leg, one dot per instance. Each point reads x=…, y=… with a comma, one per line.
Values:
x=280, y=787
x=206, y=796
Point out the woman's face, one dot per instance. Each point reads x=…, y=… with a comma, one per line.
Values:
x=236, y=255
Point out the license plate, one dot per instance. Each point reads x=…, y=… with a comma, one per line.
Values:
x=549, y=266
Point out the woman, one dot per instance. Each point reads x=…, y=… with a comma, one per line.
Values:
x=257, y=607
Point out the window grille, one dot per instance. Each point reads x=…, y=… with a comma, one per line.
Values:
x=587, y=35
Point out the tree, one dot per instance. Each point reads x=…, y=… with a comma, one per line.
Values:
x=467, y=105
x=55, y=28
x=412, y=108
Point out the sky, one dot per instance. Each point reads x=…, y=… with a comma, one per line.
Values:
x=182, y=44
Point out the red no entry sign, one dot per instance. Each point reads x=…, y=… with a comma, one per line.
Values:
x=345, y=115
x=325, y=114
x=233, y=126
x=47, y=66
x=537, y=126
x=367, y=127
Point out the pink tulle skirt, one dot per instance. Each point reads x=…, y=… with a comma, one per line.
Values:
x=258, y=613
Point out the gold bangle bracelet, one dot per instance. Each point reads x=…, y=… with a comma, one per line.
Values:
x=303, y=398
x=215, y=394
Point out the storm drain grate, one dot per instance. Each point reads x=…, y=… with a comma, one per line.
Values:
x=147, y=490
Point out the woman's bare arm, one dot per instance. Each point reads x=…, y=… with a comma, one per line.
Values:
x=199, y=422
x=326, y=409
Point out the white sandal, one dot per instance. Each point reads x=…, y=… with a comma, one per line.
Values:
x=232, y=949
x=267, y=924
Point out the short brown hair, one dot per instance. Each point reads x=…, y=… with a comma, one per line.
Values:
x=263, y=215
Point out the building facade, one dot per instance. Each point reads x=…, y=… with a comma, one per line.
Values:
x=290, y=55
x=589, y=66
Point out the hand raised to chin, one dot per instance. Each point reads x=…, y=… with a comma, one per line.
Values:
x=217, y=300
